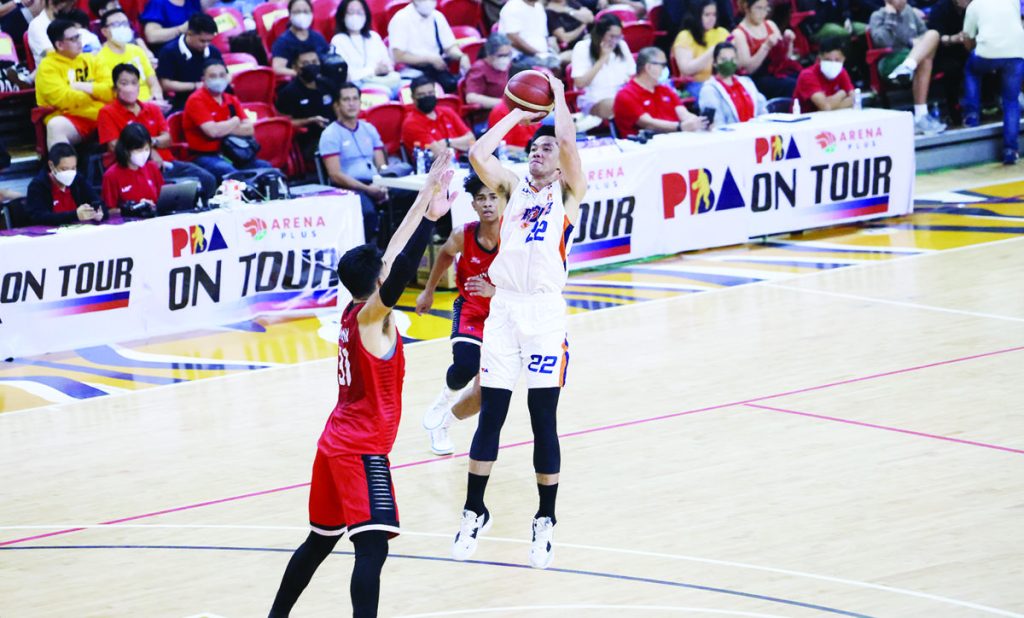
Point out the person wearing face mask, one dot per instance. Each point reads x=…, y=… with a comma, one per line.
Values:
x=369, y=62
x=134, y=176
x=181, y=63
x=126, y=109
x=98, y=8
x=429, y=126
x=525, y=23
x=825, y=85
x=645, y=103
x=421, y=38
x=486, y=79
x=298, y=36
x=65, y=81
x=119, y=49
x=601, y=64
x=59, y=195
x=307, y=100
x=211, y=114
x=729, y=97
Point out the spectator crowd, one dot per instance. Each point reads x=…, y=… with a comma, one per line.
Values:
x=199, y=89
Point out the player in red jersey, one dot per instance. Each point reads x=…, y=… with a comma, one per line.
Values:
x=477, y=242
x=351, y=487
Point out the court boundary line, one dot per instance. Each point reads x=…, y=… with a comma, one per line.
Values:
x=54, y=407
x=868, y=425
x=897, y=303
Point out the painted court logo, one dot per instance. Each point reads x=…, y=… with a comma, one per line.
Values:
x=256, y=227
x=698, y=185
x=195, y=239
x=827, y=141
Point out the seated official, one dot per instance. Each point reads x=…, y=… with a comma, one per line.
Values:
x=181, y=61
x=430, y=126
x=133, y=177
x=211, y=114
x=127, y=108
x=734, y=98
x=58, y=194
x=165, y=20
x=643, y=103
x=296, y=38
x=825, y=85
x=307, y=100
x=353, y=153
x=66, y=80
x=119, y=49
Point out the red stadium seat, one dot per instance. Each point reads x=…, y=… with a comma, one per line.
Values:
x=259, y=111
x=387, y=119
x=874, y=55
x=801, y=45
x=462, y=13
x=178, y=144
x=229, y=23
x=378, y=14
x=626, y=14
x=30, y=60
x=654, y=18
x=452, y=102
x=276, y=30
x=472, y=49
x=466, y=33
x=392, y=7
x=38, y=116
x=638, y=35
x=323, y=16
x=254, y=85
x=275, y=136
x=239, y=61
x=265, y=15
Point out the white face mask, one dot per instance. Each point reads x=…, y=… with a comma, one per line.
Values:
x=122, y=35
x=831, y=69
x=665, y=77
x=425, y=8
x=502, y=64
x=65, y=177
x=139, y=157
x=355, y=23
x=302, y=21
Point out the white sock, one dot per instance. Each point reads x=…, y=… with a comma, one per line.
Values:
x=920, y=110
x=910, y=63
x=448, y=394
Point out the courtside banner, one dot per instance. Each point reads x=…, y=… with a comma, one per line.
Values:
x=689, y=191
x=84, y=286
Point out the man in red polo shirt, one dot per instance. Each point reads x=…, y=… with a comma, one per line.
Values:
x=126, y=108
x=211, y=114
x=59, y=194
x=429, y=126
x=825, y=85
x=643, y=103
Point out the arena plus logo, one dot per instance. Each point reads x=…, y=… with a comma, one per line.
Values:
x=284, y=227
x=826, y=141
x=850, y=139
x=195, y=239
x=771, y=148
x=256, y=227
x=604, y=178
x=698, y=185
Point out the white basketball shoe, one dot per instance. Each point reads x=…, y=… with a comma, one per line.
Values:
x=541, y=550
x=470, y=529
x=440, y=441
x=435, y=414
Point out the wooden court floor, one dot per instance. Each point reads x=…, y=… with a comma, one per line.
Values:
x=847, y=442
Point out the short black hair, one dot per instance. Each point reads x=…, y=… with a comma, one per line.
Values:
x=60, y=151
x=358, y=270
x=473, y=184
x=96, y=7
x=55, y=31
x=349, y=86
x=105, y=17
x=542, y=131
x=124, y=67
x=831, y=44
x=76, y=15
x=304, y=47
x=519, y=65
x=133, y=137
x=422, y=80
x=214, y=61
x=721, y=47
x=201, y=23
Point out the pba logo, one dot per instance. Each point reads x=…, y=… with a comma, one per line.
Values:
x=827, y=141
x=256, y=227
x=698, y=184
x=193, y=239
x=770, y=149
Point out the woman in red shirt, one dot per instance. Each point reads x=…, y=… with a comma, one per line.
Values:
x=764, y=51
x=133, y=177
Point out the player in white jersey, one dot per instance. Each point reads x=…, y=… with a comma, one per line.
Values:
x=526, y=324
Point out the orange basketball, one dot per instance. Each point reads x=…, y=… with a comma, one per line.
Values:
x=530, y=91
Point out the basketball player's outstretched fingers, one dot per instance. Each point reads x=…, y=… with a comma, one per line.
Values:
x=533, y=117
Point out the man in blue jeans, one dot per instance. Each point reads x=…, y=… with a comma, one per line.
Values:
x=993, y=29
x=211, y=114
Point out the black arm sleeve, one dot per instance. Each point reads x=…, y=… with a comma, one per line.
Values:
x=39, y=205
x=404, y=268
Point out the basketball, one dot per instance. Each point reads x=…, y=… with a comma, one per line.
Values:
x=530, y=91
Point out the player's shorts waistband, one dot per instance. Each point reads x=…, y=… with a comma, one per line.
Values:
x=521, y=296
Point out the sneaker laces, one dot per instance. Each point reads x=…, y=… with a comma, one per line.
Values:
x=542, y=527
x=468, y=527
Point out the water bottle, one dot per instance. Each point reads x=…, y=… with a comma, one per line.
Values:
x=796, y=107
x=933, y=110
x=503, y=152
x=858, y=99
x=421, y=159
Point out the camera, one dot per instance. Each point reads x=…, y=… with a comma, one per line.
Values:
x=138, y=210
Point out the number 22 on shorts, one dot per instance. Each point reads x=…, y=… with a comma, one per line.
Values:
x=541, y=364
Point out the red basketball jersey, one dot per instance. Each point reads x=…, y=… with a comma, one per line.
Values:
x=365, y=419
x=475, y=260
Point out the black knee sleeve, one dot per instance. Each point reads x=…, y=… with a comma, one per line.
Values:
x=493, y=410
x=371, y=550
x=465, y=364
x=543, y=404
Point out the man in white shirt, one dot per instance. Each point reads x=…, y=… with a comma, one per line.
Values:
x=419, y=36
x=992, y=28
x=38, y=42
x=525, y=23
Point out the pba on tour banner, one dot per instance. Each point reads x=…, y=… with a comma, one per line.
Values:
x=170, y=274
x=723, y=188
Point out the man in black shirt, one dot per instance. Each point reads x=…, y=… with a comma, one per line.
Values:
x=307, y=100
x=182, y=59
x=947, y=18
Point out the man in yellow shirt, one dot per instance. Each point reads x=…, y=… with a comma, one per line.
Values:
x=119, y=49
x=66, y=80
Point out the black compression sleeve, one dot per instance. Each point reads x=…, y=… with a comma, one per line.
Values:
x=404, y=268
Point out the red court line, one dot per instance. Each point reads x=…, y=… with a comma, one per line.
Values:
x=888, y=428
x=565, y=435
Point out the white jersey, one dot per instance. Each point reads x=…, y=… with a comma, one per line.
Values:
x=535, y=240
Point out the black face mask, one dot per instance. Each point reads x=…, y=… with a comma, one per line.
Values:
x=426, y=104
x=310, y=72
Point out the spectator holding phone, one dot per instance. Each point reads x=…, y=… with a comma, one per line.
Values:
x=134, y=177
x=59, y=194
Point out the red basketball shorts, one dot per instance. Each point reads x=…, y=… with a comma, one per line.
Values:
x=352, y=493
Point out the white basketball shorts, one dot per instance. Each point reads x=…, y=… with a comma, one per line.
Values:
x=525, y=331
